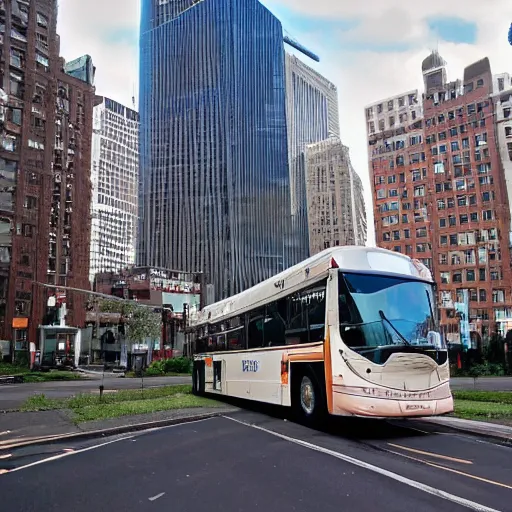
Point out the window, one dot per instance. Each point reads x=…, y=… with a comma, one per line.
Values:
x=464, y=219
x=30, y=203
x=407, y=233
x=480, y=82
x=419, y=191
x=442, y=223
x=42, y=20
x=307, y=315
x=381, y=193
x=470, y=275
x=457, y=276
x=487, y=215
x=443, y=240
x=482, y=295
x=391, y=179
x=28, y=230
x=443, y=259
x=482, y=274
x=445, y=277
x=455, y=145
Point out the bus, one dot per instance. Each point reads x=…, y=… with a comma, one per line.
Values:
x=351, y=331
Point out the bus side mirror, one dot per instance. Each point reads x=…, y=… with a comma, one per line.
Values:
x=434, y=339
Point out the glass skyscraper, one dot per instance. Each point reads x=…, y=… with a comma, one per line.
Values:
x=214, y=181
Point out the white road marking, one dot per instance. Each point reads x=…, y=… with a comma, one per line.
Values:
x=67, y=454
x=156, y=497
x=5, y=432
x=6, y=456
x=376, y=469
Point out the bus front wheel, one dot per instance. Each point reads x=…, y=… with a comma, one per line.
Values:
x=308, y=399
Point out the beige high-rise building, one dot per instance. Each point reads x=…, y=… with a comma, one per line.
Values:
x=336, y=209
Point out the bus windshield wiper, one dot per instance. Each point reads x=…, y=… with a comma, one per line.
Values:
x=385, y=318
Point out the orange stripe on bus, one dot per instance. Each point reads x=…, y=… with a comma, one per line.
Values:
x=306, y=357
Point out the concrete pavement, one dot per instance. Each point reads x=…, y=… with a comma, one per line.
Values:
x=254, y=462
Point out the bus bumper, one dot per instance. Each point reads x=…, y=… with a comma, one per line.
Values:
x=345, y=404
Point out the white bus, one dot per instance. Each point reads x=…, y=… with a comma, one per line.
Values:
x=351, y=331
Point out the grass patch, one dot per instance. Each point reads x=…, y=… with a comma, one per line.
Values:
x=133, y=407
x=41, y=403
x=90, y=407
x=498, y=397
x=474, y=410
x=483, y=405
x=13, y=369
x=50, y=376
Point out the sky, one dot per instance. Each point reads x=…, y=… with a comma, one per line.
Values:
x=370, y=49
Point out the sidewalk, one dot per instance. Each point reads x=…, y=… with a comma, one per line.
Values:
x=477, y=428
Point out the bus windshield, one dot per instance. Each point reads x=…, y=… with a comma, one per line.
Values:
x=378, y=311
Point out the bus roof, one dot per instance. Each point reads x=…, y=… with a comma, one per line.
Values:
x=347, y=258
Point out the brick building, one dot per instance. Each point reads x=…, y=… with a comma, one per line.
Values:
x=439, y=191
x=45, y=156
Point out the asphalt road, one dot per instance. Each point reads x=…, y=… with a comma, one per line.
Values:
x=13, y=395
x=252, y=462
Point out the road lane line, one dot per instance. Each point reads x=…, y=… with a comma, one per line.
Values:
x=430, y=454
x=5, y=432
x=468, y=475
x=6, y=456
x=376, y=469
x=67, y=454
x=76, y=452
x=156, y=497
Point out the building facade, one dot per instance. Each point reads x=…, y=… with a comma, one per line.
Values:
x=46, y=124
x=214, y=181
x=114, y=176
x=336, y=210
x=440, y=194
x=312, y=116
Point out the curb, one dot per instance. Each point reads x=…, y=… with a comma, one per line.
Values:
x=500, y=438
x=11, y=379
x=124, y=429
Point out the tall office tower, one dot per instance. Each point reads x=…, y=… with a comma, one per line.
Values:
x=45, y=150
x=443, y=198
x=214, y=181
x=312, y=116
x=114, y=176
x=336, y=211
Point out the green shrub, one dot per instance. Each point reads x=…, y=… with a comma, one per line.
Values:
x=174, y=365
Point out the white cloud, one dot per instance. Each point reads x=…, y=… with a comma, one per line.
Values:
x=102, y=29
x=361, y=77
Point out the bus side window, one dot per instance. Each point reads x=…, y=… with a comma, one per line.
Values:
x=275, y=323
x=316, y=316
x=256, y=336
x=298, y=320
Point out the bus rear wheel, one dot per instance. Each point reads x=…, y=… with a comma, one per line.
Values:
x=308, y=399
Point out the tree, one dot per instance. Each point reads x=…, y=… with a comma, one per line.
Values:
x=141, y=321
